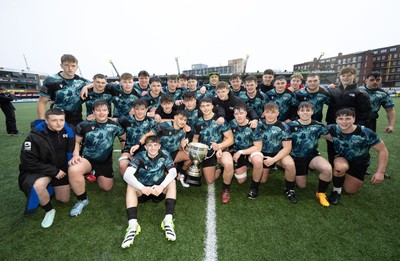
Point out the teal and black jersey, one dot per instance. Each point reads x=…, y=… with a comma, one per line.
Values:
x=135, y=129
x=198, y=95
x=238, y=93
x=92, y=96
x=209, y=131
x=273, y=135
x=193, y=115
x=170, y=137
x=257, y=103
x=378, y=97
x=317, y=99
x=65, y=93
x=244, y=136
x=353, y=146
x=305, y=138
x=139, y=90
x=122, y=101
x=98, y=139
x=284, y=100
x=151, y=171
x=176, y=95
x=210, y=91
x=152, y=102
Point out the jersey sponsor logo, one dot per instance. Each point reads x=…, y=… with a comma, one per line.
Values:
x=65, y=135
x=27, y=145
x=352, y=95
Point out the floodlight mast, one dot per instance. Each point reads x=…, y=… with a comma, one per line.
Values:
x=245, y=63
x=177, y=65
x=115, y=69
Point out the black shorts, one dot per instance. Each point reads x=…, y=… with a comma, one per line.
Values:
x=27, y=180
x=269, y=155
x=60, y=182
x=357, y=167
x=243, y=160
x=156, y=199
x=211, y=161
x=104, y=169
x=173, y=154
x=302, y=164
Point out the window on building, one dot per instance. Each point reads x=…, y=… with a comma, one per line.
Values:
x=339, y=61
x=396, y=55
x=354, y=59
x=358, y=65
x=383, y=51
x=382, y=64
x=393, y=49
x=383, y=57
x=359, y=58
x=374, y=59
x=378, y=58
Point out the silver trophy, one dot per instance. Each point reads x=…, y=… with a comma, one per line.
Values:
x=197, y=153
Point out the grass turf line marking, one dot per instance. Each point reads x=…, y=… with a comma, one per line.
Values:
x=210, y=239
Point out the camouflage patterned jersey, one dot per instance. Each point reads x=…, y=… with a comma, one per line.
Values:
x=210, y=131
x=354, y=146
x=64, y=92
x=378, y=98
x=152, y=171
x=244, y=136
x=257, y=103
x=170, y=137
x=122, y=101
x=317, y=99
x=273, y=135
x=98, y=139
x=305, y=138
x=135, y=129
x=284, y=100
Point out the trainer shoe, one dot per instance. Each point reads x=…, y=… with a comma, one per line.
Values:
x=334, y=198
x=253, y=193
x=78, y=207
x=322, y=199
x=225, y=196
x=48, y=218
x=292, y=196
x=91, y=177
x=131, y=233
x=168, y=227
x=181, y=178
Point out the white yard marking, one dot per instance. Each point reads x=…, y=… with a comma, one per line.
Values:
x=210, y=239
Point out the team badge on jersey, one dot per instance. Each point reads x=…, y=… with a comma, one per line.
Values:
x=27, y=145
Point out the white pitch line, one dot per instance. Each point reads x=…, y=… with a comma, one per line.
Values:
x=210, y=239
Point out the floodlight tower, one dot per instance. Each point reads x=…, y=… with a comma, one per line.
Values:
x=177, y=64
x=115, y=69
x=245, y=63
x=26, y=63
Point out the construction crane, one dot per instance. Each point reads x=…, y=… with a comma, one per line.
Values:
x=115, y=69
x=316, y=61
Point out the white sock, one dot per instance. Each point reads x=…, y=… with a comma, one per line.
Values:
x=338, y=190
x=168, y=217
x=132, y=222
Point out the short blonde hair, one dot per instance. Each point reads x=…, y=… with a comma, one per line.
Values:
x=297, y=75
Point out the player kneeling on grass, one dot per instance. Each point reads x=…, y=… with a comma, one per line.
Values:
x=44, y=163
x=277, y=144
x=246, y=149
x=352, y=144
x=305, y=135
x=147, y=180
x=97, y=140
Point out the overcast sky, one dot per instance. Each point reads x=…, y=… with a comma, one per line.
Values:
x=149, y=34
